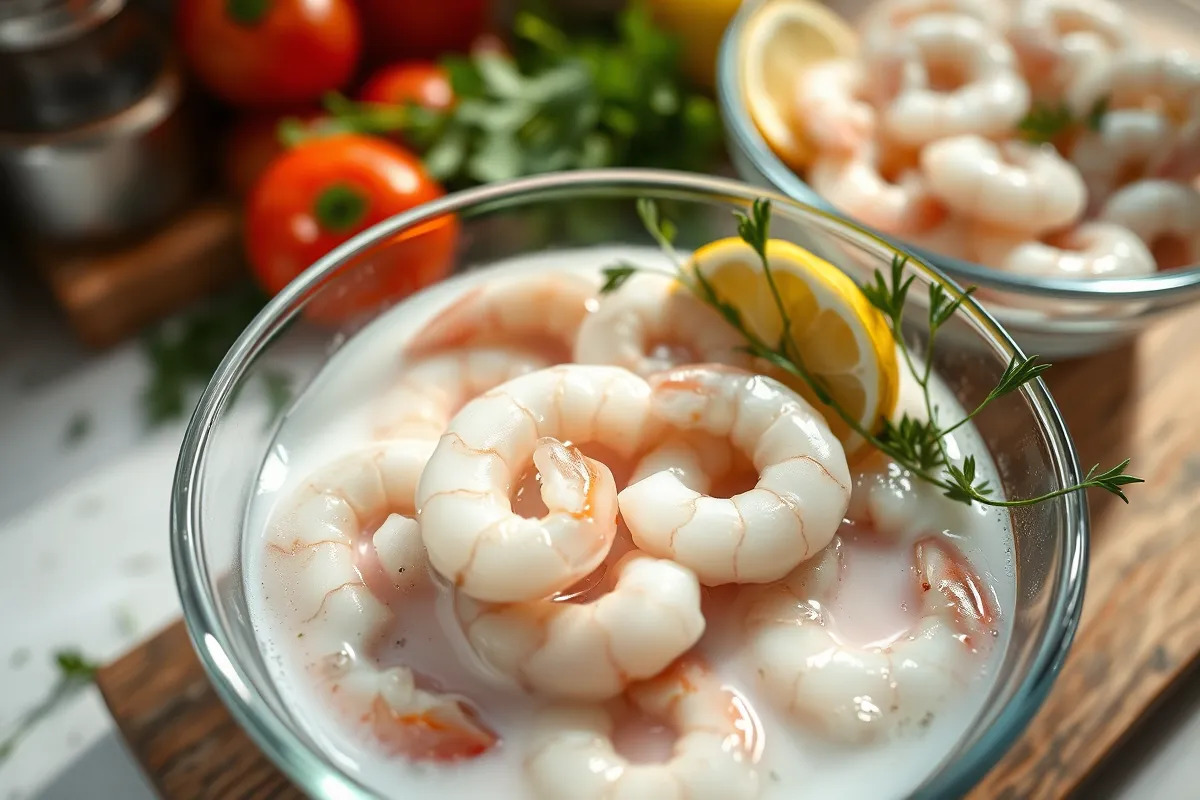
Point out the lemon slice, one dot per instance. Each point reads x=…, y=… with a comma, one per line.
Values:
x=838, y=334
x=781, y=40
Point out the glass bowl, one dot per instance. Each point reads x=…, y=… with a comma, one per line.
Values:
x=1087, y=316
x=225, y=446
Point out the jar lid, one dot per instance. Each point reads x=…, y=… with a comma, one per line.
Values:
x=33, y=24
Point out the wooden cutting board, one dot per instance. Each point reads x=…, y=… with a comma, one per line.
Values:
x=1139, y=634
x=110, y=294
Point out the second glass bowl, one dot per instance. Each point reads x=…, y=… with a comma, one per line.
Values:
x=1105, y=311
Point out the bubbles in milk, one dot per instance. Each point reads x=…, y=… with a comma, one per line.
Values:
x=335, y=415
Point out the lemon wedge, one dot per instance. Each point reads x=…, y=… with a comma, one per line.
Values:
x=781, y=40
x=839, y=336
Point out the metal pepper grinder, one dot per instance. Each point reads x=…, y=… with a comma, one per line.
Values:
x=92, y=143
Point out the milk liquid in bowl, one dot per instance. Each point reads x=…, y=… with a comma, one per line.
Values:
x=355, y=675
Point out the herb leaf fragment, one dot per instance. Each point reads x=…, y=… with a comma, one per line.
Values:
x=918, y=445
x=1045, y=123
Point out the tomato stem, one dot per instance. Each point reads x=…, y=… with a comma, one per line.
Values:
x=340, y=207
x=247, y=12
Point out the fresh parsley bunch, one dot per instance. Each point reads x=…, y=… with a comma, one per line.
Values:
x=562, y=103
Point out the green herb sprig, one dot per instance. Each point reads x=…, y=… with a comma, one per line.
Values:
x=916, y=444
x=1045, y=123
x=74, y=673
x=184, y=353
x=567, y=102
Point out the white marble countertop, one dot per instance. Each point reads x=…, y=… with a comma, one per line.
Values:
x=84, y=555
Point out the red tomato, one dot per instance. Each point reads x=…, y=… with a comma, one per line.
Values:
x=324, y=191
x=253, y=143
x=397, y=29
x=421, y=82
x=270, y=52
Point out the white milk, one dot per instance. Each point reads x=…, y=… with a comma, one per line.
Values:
x=335, y=416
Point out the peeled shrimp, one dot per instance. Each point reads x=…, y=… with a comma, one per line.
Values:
x=474, y=537
x=1015, y=185
x=652, y=323
x=591, y=651
x=950, y=238
x=855, y=694
x=1181, y=160
x=1058, y=41
x=831, y=107
x=856, y=187
x=713, y=758
x=406, y=720
x=431, y=390
x=696, y=459
x=758, y=535
x=1168, y=83
x=1120, y=151
x=1091, y=250
x=885, y=19
x=352, y=505
x=1165, y=215
x=956, y=77
x=542, y=312
x=313, y=539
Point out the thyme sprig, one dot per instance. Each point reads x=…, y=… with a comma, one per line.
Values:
x=919, y=445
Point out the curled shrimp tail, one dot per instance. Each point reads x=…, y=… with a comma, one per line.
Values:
x=945, y=569
x=569, y=478
x=426, y=726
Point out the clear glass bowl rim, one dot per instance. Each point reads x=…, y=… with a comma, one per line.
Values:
x=314, y=773
x=1173, y=285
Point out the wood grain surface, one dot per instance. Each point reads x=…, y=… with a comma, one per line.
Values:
x=1139, y=633
x=110, y=295
x=179, y=731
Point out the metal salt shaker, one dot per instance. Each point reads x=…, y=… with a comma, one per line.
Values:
x=92, y=143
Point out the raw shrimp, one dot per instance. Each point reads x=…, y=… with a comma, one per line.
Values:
x=950, y=238
x=1119, y=152
x=717, y=744
x=312, y=546
x=857, y=693
x=313, y=539
x=1138, y=79
x=1091, y=250
x=1181, y=160
x=856, y=187
x=653, y=323
x=464, y=498
x=761, y=534
x=591, y=651
x=409, y=721
x=884, y=20
x=956, y=76
x=1058, y=41
x=831, y=107
x=542, y=312
x=431, y=390
x=696, y=459
x=1014, y=185
x=898, y=508
x=1165, y=215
